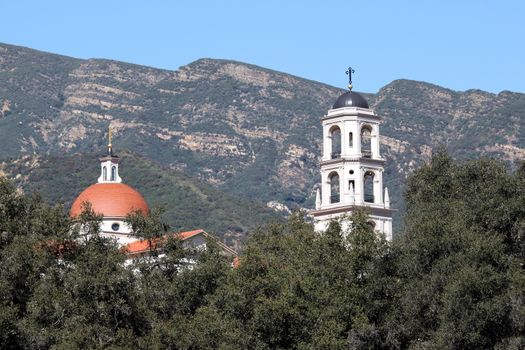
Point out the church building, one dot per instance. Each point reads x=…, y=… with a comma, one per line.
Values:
x=114, y=200
x=351, y=165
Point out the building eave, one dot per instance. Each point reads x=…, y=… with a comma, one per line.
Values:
x=158, y=243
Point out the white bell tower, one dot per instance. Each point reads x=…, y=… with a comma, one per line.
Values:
x=351, y=165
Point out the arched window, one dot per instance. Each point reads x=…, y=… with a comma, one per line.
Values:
x=104, y=173
x=113, y=173
x=366, y=141
x=334, y=188
x=335, y=135
x=369, y=187
x=350, y=140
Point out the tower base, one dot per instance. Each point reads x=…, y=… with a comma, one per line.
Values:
x=379, y=218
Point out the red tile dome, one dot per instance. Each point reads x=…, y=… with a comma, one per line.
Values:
x=110, y=200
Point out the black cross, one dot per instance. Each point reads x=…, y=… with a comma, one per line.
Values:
x=349, y=73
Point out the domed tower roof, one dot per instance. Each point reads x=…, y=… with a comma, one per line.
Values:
x=351, y=99
x=110, y=197
x=110, y=200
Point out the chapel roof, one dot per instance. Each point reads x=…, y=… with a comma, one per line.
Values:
x=111, y=200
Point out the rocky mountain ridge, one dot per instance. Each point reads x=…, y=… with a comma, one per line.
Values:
x=246, y=130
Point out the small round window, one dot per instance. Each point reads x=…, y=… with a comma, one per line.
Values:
x=115, y=227
x=351, y=172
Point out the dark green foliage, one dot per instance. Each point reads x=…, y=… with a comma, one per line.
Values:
x=148, y=227
x=88, y=301
x=460, y=257
x=65, y=291
x=453, y=280
x=298, y=289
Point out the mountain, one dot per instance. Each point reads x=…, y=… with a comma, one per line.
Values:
x=246, y=131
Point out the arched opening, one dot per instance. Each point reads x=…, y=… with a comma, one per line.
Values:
x=335, y=136
x=369, y=187
x=113, y=173
x=366, y=141
x=334, y=188
x=372, y=224
x=351, y=185
x=104, y=173
x=350, y=140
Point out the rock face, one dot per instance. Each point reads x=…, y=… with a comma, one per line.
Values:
x=246, y=130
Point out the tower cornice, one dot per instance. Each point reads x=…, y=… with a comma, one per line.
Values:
x=353, y=159
x=374, y=210
x=112, y=158
x=351, y=112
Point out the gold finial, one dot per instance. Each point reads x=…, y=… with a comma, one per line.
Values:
x=110, y=150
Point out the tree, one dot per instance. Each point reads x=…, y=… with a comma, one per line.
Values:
x=188, y=322
x=296, y=288
x=150, y=227
x=454, y=279
x=455, y=271
x=174, y=290
x=26, y=224
x=86, y=298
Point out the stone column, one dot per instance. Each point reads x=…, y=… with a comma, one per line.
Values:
x=374, y=142
x=327, y=142
x=378, y=187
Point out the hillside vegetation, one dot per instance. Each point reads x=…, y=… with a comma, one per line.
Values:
x=188, y=203
x=245, y=130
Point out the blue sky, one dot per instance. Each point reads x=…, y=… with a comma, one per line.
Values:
x=456, y=44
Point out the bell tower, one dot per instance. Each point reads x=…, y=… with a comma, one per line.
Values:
x=351, y=165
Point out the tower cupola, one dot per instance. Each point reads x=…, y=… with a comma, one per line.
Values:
x=350, y=99
x=109, y=164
